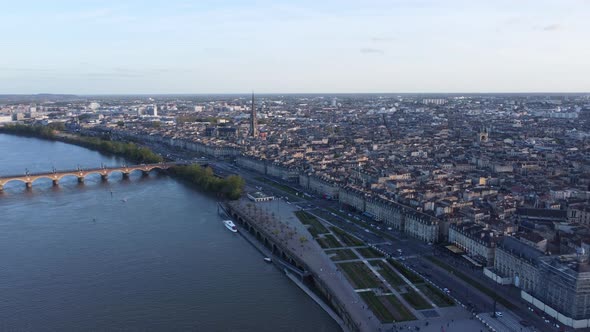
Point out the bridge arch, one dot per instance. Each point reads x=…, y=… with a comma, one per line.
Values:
x=13, y=180
x=134, y=170
x=81, y=174
x=157, y=167
x=101, y=173
x=51, y=178
x=76, y=175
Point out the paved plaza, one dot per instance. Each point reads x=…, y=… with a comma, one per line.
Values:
x=278, y=218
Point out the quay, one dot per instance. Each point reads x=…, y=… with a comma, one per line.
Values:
x=275, y=227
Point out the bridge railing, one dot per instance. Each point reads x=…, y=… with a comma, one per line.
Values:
x=88, y=170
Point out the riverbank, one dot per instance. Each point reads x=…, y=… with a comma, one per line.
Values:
x=203, y=178
x=230, y=187
x=126, y=150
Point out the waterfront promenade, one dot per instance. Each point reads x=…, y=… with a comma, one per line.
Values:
x=277, y=218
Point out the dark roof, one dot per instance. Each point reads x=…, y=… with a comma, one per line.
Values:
x=533, y=237
x=519, y=248
x=541, y=213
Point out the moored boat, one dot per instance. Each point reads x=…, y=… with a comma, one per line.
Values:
x=230, y=225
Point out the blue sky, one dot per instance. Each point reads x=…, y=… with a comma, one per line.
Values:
x=174, y=46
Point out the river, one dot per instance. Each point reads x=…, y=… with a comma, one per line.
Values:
x=144, y=254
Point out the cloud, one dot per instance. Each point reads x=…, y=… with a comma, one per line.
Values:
x=368, y=50
x=552, y=27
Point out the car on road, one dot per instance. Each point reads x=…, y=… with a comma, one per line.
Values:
x=499, y=314
x=446, y=290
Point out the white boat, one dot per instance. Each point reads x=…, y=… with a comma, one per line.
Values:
x=230, y=225
x=267, y=259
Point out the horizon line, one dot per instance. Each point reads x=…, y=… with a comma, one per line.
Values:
x=295, y=93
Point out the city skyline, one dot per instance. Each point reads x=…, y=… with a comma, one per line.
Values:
x=281, y=47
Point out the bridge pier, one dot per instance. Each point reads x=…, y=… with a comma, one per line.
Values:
x=104, y=172
x=145, y=173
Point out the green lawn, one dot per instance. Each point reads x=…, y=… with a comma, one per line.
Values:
x=315, y=226
x=400, y=312
x=328, y=241
x=341, y=254
x=362, y=224
x=413, y=277
x=416, y=300
x=348, y=239
x=360, y=275
x=369, y=253
x=377, y=306
x=436, y=295
x=279, y=186
x=392, y=278
x=473, y=283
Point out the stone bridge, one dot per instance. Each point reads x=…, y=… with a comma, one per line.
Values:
x=81, y=174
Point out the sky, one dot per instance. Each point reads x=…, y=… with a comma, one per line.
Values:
x=278, y=46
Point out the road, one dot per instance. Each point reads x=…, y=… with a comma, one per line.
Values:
x=409, y=250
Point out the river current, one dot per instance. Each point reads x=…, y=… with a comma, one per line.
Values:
x=144, y=254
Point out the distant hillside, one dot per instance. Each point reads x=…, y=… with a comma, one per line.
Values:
x=36, y=98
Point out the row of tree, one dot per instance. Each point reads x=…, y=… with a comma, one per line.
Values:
x=231, y=187
x=127, y=150
x=32, y=131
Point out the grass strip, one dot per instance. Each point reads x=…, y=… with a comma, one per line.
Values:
x=341, y=254
x=362, y=224
x=473, y=283
x=377, y=307
x=360, y=275
x=281, y=187
x=416, y=300
x=369, y=253
x=348, y=239
x=400, y=312
x=392, y=278
x=328, y=241
x=436, y=295
x=413, y=277
x=315, y=226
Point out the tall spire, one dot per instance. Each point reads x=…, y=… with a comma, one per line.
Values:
x=253, y=122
